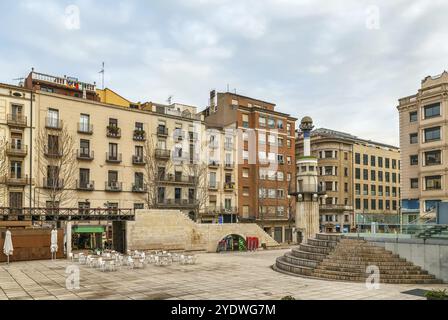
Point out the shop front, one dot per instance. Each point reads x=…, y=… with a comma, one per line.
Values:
x=88, y=237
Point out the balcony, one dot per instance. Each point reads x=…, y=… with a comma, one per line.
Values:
x=15, y=120
x=84, y=155
x=311, y=188
x=162, y=131
x=178, y=135
x=229, y=186
x=85, y=128
x=113, y=132
x=213, y=164
x=138, y=160
x=228, y=145
x=335, y=207
x=213, y=144
x=216, y=210
x=16, y=150
x=213, y=186
x=113, y=186
x=162, y=154
x=113, y=157
x=172, y=178
x=51, y=183
x=53, y=123
x=180, y=156
x=193, y=136
x=139, y=135
x=139, y=188
x=176, y=203
x=228, y=166
x=52, y=152
x=85, y=185
x=17, y=181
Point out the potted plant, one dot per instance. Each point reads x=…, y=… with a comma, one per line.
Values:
x=436, y=295
x=112, y=129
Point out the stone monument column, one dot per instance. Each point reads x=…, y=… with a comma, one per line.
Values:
x=308, y=188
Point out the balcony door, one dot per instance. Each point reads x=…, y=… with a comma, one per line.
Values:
x=16, y=202
x=16, y=169
x=16, y=141
x=161, y=195
x=112, y=177
x=53, y=118
x=138, y=179
x=16, y=111
x=139, y=152
x=85, y=148
x=84, y=123
x=113, y=151
x=177, y=195
x=84, y=177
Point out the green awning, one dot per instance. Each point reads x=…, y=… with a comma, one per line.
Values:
x=88, y=229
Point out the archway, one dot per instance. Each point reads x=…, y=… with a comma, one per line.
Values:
x=232, y=242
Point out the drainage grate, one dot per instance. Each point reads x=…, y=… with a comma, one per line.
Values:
x=416, y=292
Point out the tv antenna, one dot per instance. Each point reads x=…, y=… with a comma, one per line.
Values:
x=102, y=76
x=19, y=79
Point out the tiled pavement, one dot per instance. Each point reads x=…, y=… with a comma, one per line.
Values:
x=215, y=276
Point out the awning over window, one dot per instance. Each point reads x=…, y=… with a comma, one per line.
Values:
x=88, y=229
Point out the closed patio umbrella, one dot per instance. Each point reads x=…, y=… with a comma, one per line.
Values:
x=54, y=243
x=7, y=246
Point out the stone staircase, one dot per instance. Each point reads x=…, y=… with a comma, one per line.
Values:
x=333, y=257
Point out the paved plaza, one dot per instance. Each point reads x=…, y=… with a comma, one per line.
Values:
x=215, y=276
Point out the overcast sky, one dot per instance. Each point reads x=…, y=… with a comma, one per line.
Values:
x=345, y=64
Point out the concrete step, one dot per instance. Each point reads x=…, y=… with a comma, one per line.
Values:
x=318, y=272
x=325, y=236
x=362, y=269
x=299, y=261
x=314, y=249
x=308, y=255
x=322, y=243
x=282, y=264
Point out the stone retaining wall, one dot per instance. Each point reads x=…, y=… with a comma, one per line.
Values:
x=172, y=230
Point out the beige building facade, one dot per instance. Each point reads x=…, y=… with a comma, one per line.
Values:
x=361, y=181
x=424, y=144
x=111, y=146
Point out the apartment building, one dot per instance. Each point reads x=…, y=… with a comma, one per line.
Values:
x=16, y=141
x=266, y=159
x=361, y=179
x=423, y=143
x=109, y=147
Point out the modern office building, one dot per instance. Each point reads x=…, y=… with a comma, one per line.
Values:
x=361, y=179
x=266, y=159
x=424, y=144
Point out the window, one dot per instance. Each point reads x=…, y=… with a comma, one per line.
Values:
x=328, y=154
x=245, y=120
x=413, y=138
x=432, y=110
x=431, y=204
x=262, y=121
x=280, y=193
x=394, y=177
x=271, y=123
x=387, y=174
x=139, y=126
x=372, y=175
x=432, y=134
x=372, y=161
x=113, y=122
x=413, y=159
x=345, y=187
x=414, y=183
x=246, y=212
x=394, y=164
x=345, y=172
x=365, y=174
x=357, y=173
x=113, y=150
x=84, y=123
x=280, y=176
x=366, y=204
x=357, y=189
x=212, y=179
x=246, y=191
x=380, y=176
x=413, y=116
x=373, y=204
x=280, y=124
x=345, y=155
x=288, y=127
x=53, y=118
x=357, y=158
x=245, y=173
x=272, y=139
x=380, y=162
x=433, y=157
x=387, y=163
x=365, y=159
x=365, y=189
x=84, y=146
x=358, y=204
x=380, y=204
x=288, y=143
x=433, y=182
x=380, y=191
x=261, y=138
